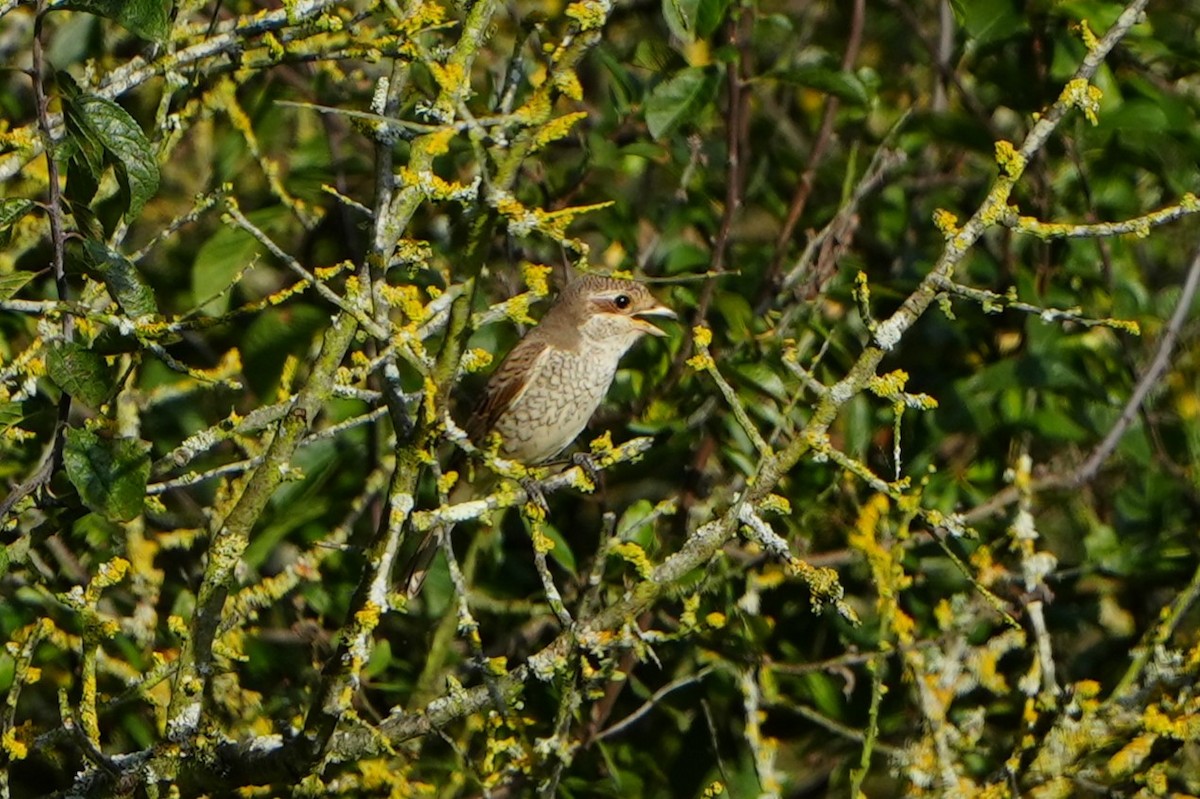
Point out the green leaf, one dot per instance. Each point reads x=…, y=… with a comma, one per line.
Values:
x=11, y=413
x=709, y=16
x=680, y=16
x=633, y=523
x=841, y=84
x=379, y=661
x=110, y=474
x=83, y=144
x=150, y=19
x=689, y=20
x=763, y=377
x=100, y=132
x=679, y=99
x=122, y=279
x=272, y=336
x=622, y=89
x=126, y=145
x=561, y=553
x=655, y=56
x=11, y=211
x=1056, y=424
x=221, y=258
x=826, y=692
x=988, y=21
x=11, y=284
x=81, y=188
x=80, y=372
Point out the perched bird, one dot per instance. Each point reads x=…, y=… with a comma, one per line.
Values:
x=544, y=392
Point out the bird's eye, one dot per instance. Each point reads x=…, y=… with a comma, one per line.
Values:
x=622, y=301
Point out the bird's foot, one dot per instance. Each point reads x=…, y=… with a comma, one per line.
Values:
x=587, y=463
x=534, y=494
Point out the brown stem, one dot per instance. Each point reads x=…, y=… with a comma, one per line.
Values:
x=736, y=135
x=804, y=185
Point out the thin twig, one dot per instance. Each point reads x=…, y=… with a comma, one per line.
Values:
x=372, y=326
x=58, y=244
x=816, y=155
x=736, y=137
x=649, y=704
x=1088, y=470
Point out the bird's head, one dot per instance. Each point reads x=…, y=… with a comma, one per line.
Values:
x=611, y=310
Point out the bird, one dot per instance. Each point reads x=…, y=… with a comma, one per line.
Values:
x=544, y=392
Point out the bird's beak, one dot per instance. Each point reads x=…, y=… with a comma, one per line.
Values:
x=641, y=324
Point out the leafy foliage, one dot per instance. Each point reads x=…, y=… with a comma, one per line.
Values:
x=905, y=505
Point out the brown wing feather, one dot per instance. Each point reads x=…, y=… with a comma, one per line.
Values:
x=503, y=386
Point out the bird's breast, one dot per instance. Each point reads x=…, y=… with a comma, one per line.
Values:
x=564, y=390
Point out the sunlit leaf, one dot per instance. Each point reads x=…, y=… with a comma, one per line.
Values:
x=124, y=282
x=988, y=21
x=80, y=372
x=150, y=19
x=679, y=99
x=110, y=474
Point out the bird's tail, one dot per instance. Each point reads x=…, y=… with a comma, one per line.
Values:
x=420, y=561
x=422, y=558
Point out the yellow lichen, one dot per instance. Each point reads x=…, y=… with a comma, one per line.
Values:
x=536, y=277
x=438, y=142
x=1131, y=756
x=1010, y=161
x=542, y=543
x=407, y=298
x=568, y=83
x=275, y=49
x=448, y=76
x=517, y=309
x=888, y=385
x=1085, y=33
x=16, y=749
x=589, y=14
x=634, y=555
x=946, y=222
x=774, y=504
x=687, y=619
x=475, y=359
x=368, y=616
x=601, y=443
x=430, y=400
x=1083, y=96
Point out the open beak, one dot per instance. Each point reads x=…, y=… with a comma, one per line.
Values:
x=639, y=319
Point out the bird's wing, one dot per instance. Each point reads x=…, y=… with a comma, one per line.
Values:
x=506, y=385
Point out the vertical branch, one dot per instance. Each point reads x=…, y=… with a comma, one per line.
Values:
x=542, y=545
x=55, y=213
x=54, y=192
x=804, y=185
x=231, y=536
x=23, y=647
x=764, y=749
x=736, y=136
x=393, y=213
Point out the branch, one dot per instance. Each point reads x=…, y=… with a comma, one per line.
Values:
x=1149, y=379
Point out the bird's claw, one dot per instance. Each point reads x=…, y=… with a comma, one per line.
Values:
x=587, y=463
x=534, y=494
